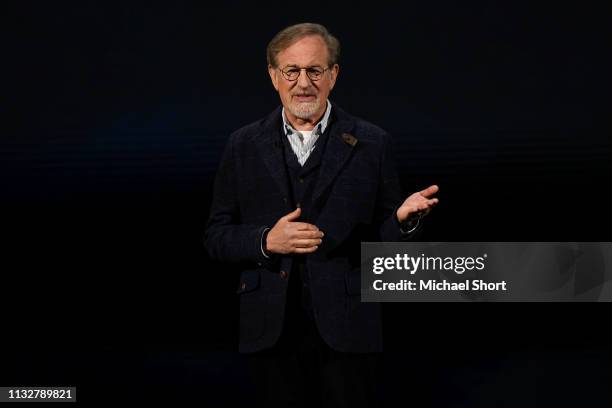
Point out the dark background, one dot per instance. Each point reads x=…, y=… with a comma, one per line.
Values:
x=115, y=117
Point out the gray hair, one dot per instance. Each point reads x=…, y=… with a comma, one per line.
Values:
x=292, y=34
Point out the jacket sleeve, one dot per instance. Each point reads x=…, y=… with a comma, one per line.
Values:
x=226, y=238
x=390, y=198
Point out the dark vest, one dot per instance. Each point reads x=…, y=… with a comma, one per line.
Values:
x=302, y=180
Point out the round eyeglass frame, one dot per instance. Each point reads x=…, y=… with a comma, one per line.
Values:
x=286, y=76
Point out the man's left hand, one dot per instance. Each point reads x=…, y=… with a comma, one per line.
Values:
x=419, y=202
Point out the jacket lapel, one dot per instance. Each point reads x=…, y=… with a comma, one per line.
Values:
x=338, y=150
x=270, y=149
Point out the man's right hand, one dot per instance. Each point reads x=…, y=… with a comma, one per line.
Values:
x=293, y=237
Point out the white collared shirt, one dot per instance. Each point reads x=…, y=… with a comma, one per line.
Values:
x=302, y=141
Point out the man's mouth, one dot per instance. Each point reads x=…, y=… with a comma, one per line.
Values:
x=305, y=98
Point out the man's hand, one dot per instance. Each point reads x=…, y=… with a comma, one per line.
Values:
x=419, y=202
x=293, y=237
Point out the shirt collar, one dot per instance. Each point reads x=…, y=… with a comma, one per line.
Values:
x=319, y=128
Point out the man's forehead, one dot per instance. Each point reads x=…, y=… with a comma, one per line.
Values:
x=307, y=51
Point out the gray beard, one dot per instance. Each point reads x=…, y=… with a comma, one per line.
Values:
x=305, y=110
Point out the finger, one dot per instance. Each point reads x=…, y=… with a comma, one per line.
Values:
x=306, y=243
x=309, y=234
x=422, y=207
x=426, y=204
x=433, y=189
x=305, y=250
x=304, y=226
x=293, y=215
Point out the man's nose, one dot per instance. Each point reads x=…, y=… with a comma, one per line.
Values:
x=303, y=80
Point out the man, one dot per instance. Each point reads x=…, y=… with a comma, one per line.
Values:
x=295, y=194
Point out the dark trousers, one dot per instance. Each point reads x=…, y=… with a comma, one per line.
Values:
x=301, y=370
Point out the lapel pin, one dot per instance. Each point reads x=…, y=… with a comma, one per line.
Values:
x=349, y=139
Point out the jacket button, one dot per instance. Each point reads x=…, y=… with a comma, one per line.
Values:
x=284, y=274
x=301, y=180
x=242, y=286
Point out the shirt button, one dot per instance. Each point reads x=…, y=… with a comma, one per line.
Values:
x=284, y=274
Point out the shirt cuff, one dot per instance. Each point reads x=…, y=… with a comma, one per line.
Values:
x=263, y=236
x=409, y=227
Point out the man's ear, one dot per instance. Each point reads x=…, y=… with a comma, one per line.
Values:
x=334, y=75
x=273, y=76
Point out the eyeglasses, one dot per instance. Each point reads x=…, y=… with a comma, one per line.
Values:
x=293, y=73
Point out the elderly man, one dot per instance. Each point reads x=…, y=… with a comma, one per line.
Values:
x=295, y=194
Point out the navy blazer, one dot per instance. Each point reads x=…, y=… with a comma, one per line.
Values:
x=354, y=200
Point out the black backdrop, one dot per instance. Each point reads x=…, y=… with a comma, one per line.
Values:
x=116, y=115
